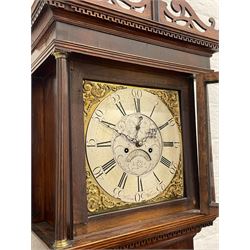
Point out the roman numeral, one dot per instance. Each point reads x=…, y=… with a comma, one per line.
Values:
x=169, y=122
x=97, y=172
x=156, y=177
x=118, y=104
x=170, y=144
x=104, y=144
x=92, y=144
x=137, y=96
x=99, y=116
x=153, y=109
x=165, y=161
x=123, y=180
x=139, y=184
x=120, y=107
x=109, y=166
x=137, y=105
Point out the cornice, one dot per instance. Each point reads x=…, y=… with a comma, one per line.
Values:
x=127, y=58
x=37, y=9
x=188, y=33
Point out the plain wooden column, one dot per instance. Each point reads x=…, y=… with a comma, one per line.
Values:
x=203, y=143
x=62, y=183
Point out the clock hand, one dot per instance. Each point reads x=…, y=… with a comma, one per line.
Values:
x=138, y=126
x=111, y=126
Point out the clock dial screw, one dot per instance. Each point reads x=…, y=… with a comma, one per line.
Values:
x=150, y=150
x=126, y=150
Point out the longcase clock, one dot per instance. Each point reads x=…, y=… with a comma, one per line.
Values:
x=120, y=140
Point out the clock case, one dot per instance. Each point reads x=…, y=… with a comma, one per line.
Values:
x=78, y=40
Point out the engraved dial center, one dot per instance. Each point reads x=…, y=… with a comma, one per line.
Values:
x=138, y=146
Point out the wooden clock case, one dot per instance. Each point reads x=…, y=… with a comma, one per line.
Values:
x=102, y=41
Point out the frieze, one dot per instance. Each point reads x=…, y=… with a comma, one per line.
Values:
x=162, y=237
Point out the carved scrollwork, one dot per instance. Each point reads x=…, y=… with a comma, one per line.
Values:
x=139, y=6
x=127, y=4
x=187, y=16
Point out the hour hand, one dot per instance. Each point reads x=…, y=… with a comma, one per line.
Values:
x=138, y=126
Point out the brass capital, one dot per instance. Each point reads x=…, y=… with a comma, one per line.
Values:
x=61, y=244
x=60, y=54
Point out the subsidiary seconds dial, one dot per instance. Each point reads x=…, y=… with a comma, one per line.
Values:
x=133, y=145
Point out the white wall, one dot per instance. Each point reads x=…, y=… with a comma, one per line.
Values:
x=208, y=238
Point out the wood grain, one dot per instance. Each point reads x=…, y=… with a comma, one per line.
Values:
x=63, y=213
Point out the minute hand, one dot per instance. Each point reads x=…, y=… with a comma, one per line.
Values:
x=112, y=127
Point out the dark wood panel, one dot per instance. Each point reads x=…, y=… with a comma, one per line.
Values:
x=79, y=197
x=212, y=77
x=105, y=70
x=43, y=143
x=38, y=188
x=50, y=148
x=202, y=126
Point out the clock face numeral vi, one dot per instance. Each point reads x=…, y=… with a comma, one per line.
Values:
x=139, y=184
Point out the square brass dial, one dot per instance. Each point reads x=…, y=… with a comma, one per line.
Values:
x=133, y=146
